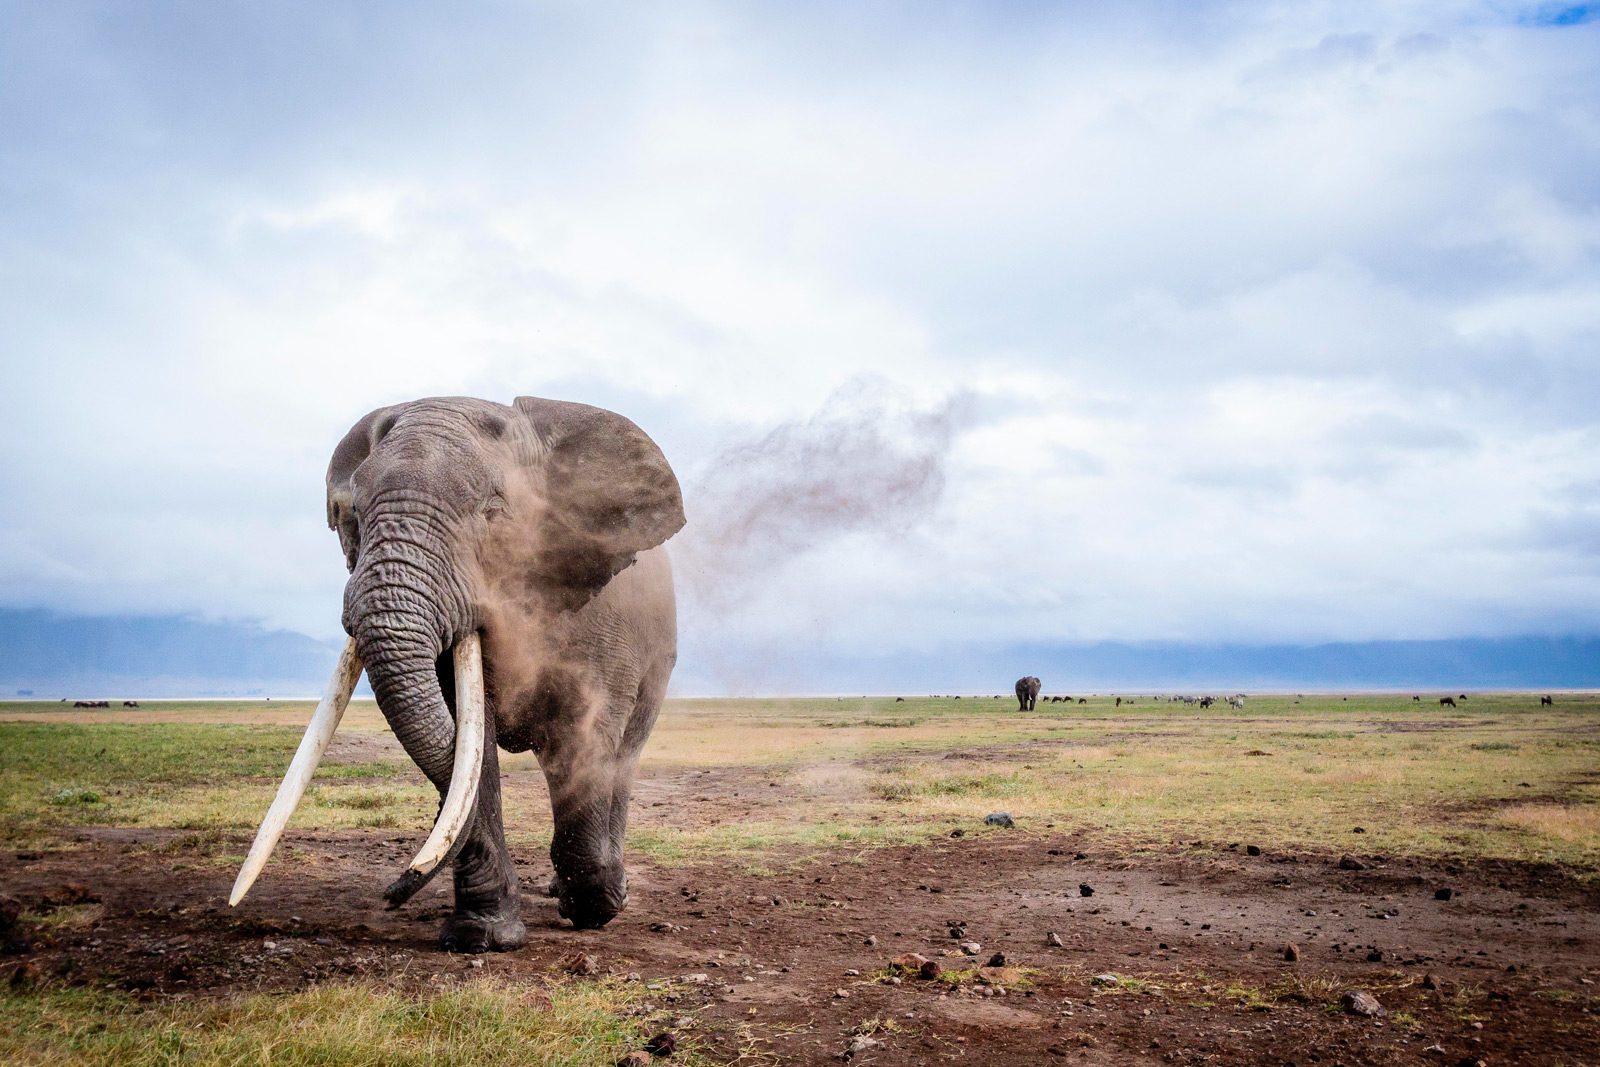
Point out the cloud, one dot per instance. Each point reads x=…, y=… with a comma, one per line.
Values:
x=1269, y=323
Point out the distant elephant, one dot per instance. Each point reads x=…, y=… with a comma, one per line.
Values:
x=507, y=585
x=1027, y=693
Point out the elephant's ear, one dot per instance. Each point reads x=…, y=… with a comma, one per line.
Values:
x=350, y=454
x=608, y=494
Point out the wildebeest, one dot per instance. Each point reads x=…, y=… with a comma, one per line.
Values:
x=1546, y=700
x=1416, y=698
x=1027, y=693
x=130, y=703
x=1446, y=700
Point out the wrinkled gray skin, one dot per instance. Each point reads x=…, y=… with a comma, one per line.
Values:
x=538, y=525
x=1027, y=693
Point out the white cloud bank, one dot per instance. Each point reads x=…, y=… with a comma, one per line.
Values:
x=1268, y=323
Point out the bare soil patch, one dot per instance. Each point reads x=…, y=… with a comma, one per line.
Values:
x=1194, y=939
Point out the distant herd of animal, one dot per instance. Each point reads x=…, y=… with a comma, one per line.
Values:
x=100, y=703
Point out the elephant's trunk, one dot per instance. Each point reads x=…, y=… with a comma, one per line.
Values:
x=404, y=606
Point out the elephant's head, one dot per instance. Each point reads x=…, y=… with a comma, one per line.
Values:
x=448, y=510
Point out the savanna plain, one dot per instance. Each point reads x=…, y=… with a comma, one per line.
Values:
x=1176, y=885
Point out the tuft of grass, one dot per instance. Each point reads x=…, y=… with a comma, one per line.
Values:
x=482, y=1024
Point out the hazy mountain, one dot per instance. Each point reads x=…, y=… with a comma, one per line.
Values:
x=155, y=656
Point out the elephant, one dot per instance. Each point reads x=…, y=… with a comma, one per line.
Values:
x=1027, y=693
x=508, y=586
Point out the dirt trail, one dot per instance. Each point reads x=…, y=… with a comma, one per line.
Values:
x=1515, y=949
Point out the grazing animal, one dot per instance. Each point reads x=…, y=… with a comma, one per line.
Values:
x=1546, y=700
x=1416, y=698
x=1463, y=696
x=1446, y=700
x=130, y=703
x=508, y=589
x=1027, y=693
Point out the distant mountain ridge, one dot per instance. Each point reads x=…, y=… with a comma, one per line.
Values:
x=155, y=656
x=120, y=656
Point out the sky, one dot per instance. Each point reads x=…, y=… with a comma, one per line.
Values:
x=1186, y=322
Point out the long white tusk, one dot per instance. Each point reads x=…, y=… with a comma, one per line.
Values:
x=324, y=721
x=463, y=793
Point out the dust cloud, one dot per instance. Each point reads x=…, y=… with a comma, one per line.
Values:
x=866, y=462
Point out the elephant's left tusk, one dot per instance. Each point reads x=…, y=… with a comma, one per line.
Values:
x=319, y=733
x=462, y=795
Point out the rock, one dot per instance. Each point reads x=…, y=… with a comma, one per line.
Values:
x=1080, y=855
x=1105, y=979
x=872, y=939
x=971, y=948
x=1359, y=1002
x=911, y=961
x=1053, y=939
x=1358, y=829
x=1085, y=889
x=1348, y=862
x=663, y=1044
x=997, y=960
x=26, y=976
x=475, y=962
x=695, y=978
x=1000, y=976
x=1252, y=850
x=930, y=969
x=842, y=994
x=1430, y=981
x=859, y=1044
x=1443, y=894
x=1052, y=852
x=580, y=963
x=999, y=818
x=637, y=1058
x=957, y=933
x=851, y=973
x=958, y=833
x=1375, y=956
x=1291, y=952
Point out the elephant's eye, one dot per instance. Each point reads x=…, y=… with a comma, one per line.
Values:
x=495, y=508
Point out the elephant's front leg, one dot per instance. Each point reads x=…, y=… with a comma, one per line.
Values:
x=487, y=914
x=589, y=806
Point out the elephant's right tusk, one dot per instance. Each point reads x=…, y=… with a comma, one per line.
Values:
x=319, y=733
x=462, y=795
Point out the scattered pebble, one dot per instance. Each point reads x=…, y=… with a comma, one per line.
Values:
x=1291, y=952
x=1430, y=981
x=842, y=994
x=859, y=1044
x=475, y=962
x=870, y=941
x=911, y=961
x=1252, y=850
x=1358, y=1002
x=1443, y=893
x=851, y=973
x=1348, y=862
x=931, y=969
x=1085, y=889
x=999, y=818
x=1358, y=829
x=971, y=948
x=1053, y=939
x=997, y=960
x=1080, y=855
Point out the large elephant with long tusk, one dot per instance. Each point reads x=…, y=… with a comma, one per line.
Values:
x=507, y=587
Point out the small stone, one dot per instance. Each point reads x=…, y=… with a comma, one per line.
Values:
x=695, y=978
x=851, y=973
x=911, y=961
x=999, y=818
x=1053, y=939
x=1085, y=889
x=26, y=976
x=1359, y=1002
x=637, y=1058
x=1348, y=862
x=930, y=969
x=1252, y=850
x=997, y=960
x=1443, y=894
x=1375, y=956
x=842, y=994
x=1080, y=855
x=958, y=833
x=1291, y=952
x=475, y=962
x=859, y=1044
x=971, y=948
x=1430, y=981
x=778, y=902
x=663, y=1044
x=1105, y=979
x=957, y=933
x=581, y=963
x=870, y=941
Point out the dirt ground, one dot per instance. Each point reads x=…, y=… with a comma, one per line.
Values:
x=793, y=965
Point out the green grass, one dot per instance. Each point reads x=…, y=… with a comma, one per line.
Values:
x=582, y=1024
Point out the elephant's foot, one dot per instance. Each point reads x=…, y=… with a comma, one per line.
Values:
x=595, y=901
x=498, y=930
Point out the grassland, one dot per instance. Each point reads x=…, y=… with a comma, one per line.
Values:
x=1498, y=776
